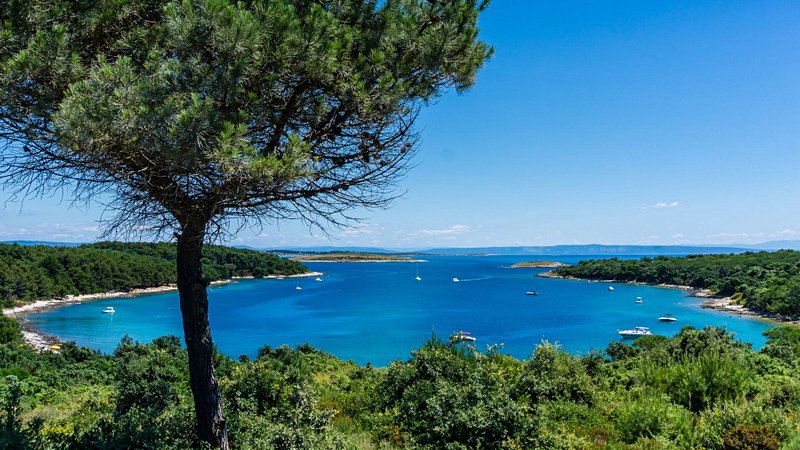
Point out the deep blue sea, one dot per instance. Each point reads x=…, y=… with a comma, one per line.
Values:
x=378, y=312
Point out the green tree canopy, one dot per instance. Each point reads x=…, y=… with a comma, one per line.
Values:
x=189, y=115
x=207, y=110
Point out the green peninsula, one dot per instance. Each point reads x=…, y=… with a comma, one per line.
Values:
x=762, y=281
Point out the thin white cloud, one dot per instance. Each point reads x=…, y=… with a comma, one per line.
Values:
x=753, y=238
x=51, y=232
x=786, y=233
x=360, y=230
x=662, y=205
x=455, y=229
x=744, y=237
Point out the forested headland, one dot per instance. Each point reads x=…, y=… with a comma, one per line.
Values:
x=699, y=389
x=29, y=273
x=762, y=281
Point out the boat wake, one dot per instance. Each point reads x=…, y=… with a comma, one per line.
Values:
x=465, y=280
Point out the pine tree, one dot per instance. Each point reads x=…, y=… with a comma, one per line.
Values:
x=198, y=117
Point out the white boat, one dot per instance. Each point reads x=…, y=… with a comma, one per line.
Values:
x=298, y=288
x=109, y=310
x=531, y=293
x=318, y=279
x=611, y=288
x=668, y=318
x=463, y=336
x=639, y=300
x=635, y=332
x=456, y=280
x=418, y=277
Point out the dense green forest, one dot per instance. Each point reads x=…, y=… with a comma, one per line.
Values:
x=763, y=281
x=38, y=272
x=698, y=390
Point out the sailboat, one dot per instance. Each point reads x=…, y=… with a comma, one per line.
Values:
x=298, y=288
x=418, y=277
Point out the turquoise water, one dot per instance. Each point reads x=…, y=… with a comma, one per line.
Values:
x=377, y=312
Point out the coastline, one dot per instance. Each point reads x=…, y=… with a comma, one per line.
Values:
x=538, y=265
x=42, y=341
x=709, y=300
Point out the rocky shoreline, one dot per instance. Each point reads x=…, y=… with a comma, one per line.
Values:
x=710, y=301
x=42, y=341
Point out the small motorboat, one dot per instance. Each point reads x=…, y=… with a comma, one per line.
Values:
x=611, y=288
x=318, y=279
x=639, y=300
x=667, y=318
x=109, y=310
x=463, y=336
x=635, y=332
x=456, y=280
x=531, y=293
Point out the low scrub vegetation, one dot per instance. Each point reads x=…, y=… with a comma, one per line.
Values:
x=700, y=389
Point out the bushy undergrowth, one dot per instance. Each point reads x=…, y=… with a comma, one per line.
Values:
x=698, y=390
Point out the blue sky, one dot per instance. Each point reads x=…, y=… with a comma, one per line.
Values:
x=596, y=122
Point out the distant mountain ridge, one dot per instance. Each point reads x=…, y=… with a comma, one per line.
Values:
x=774, y=245
x=327, y=249
x=554, y=250
x=590, y=249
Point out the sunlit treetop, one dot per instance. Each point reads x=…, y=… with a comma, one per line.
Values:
x=203, y=111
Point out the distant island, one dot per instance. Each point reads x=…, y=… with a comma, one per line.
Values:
x=538, y=265
x=767, y=283
x=353, y=257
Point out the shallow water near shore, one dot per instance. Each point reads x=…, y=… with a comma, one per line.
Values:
x=377, y=312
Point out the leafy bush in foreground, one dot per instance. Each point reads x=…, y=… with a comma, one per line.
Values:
x=700, y=389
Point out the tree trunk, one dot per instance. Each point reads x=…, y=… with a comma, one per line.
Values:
x=197, y=332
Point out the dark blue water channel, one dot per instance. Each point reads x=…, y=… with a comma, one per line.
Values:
x=378, y=312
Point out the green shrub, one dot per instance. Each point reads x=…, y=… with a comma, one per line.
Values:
x=751, y=437
x=551, y=374
x=698, y=382
x=9, y=330
x=716, y=423
x=650, y=416
x=445, y=398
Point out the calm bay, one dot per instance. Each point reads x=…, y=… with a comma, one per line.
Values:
x=378, y=312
